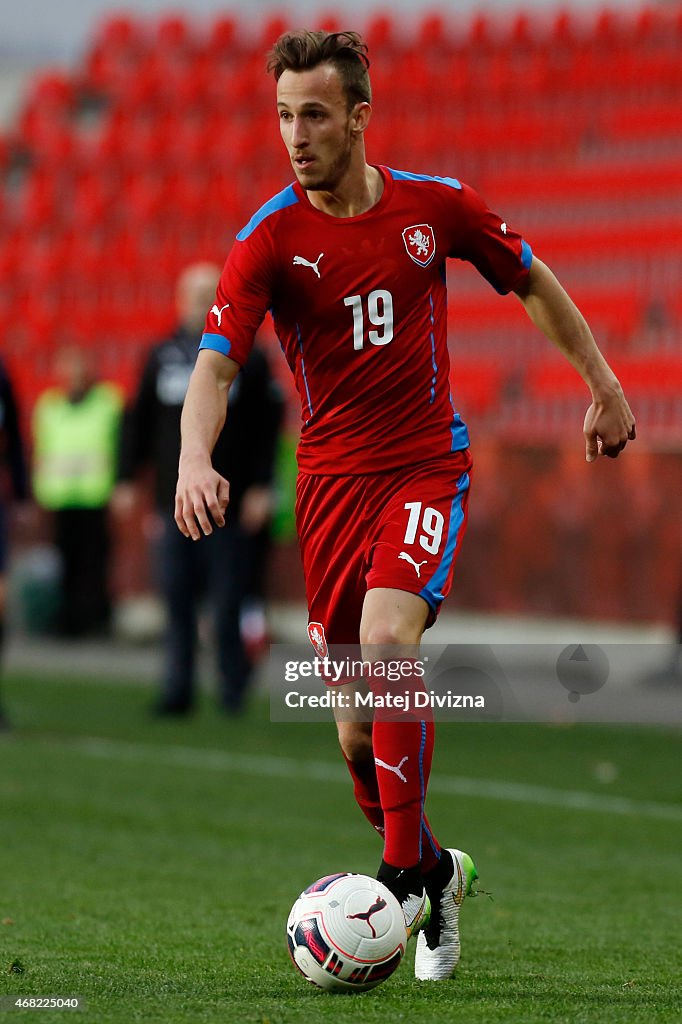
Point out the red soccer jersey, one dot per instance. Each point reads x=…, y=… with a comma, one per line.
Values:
x=359, y=307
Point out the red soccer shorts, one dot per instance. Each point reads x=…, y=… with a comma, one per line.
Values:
x=401, y=529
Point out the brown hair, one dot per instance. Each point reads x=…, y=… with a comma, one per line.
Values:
x=303, y=50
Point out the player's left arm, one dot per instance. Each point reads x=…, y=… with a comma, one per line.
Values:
x=609, y=423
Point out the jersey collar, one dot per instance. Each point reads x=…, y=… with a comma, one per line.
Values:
x=372, y=212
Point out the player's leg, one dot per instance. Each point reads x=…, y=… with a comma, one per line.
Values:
x=335, y=540
x=335, y=536
x=417, y=542
x=354, y=729
x=355, y=740
x=335, y=599
x=402, y=740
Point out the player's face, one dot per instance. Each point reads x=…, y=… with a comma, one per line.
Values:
x=316, y=126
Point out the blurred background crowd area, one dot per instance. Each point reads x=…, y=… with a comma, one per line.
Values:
x=153, y=147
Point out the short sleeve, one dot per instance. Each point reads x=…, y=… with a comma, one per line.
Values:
x=498, y=252
x=243, y=297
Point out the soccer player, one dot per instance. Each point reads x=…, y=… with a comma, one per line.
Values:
x=350, y=259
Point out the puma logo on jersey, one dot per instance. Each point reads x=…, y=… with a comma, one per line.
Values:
x=219, y=312
x=395, y=768
x=417, y=565
x=301, y=261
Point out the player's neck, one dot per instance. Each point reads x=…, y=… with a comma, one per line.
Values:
x=358, y=192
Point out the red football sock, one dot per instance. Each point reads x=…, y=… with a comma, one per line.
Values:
x=402, y=739
x=366, y=790
x=431, y=848
x=402, y=752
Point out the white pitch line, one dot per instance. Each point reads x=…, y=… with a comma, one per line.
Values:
x=327, y=771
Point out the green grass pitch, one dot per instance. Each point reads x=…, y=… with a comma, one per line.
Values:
x=148, y=867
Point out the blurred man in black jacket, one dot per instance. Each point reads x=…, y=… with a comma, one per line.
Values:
x=245, y=454
x=13, y=485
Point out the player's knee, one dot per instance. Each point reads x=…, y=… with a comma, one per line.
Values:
x=388, y=634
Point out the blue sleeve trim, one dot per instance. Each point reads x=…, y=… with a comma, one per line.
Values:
x=526, y=254
x=216, y=342
x=409, y=176
x=287, y=197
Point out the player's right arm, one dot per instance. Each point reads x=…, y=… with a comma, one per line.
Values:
x=202, y=495
x=245, y=293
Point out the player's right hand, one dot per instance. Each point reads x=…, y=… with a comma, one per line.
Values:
x=201, y=499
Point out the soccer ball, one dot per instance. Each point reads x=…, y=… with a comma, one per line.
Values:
x=346, y=933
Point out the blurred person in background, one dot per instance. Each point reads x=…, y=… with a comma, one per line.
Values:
x=231, y=566
x=76, y=436
x=13, y=487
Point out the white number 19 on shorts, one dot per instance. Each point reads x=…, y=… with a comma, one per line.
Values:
x=431, y=522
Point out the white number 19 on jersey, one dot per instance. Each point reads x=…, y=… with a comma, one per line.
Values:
x=432, y=522
x=379, y=314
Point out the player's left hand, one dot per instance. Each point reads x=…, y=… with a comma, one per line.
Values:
x=609, y=425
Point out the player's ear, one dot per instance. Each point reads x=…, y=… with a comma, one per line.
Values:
x=359, y=118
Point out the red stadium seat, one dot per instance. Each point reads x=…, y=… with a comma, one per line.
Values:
x=433, y=33
x=652, y=27
x=381, y=35
x=553, y=380
x=40, y=201
x=173, y=33
x=607, y=31
x=134, y=144
x=563, y=30
x=118, y=32
x=480, y=35
x=52, y=93
x=143, y=202
x=330, y=21
x=645, y=122
x=659, y=376
x=476, y=387
x=273, y=27
x=522, y=35
x=222, y=38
